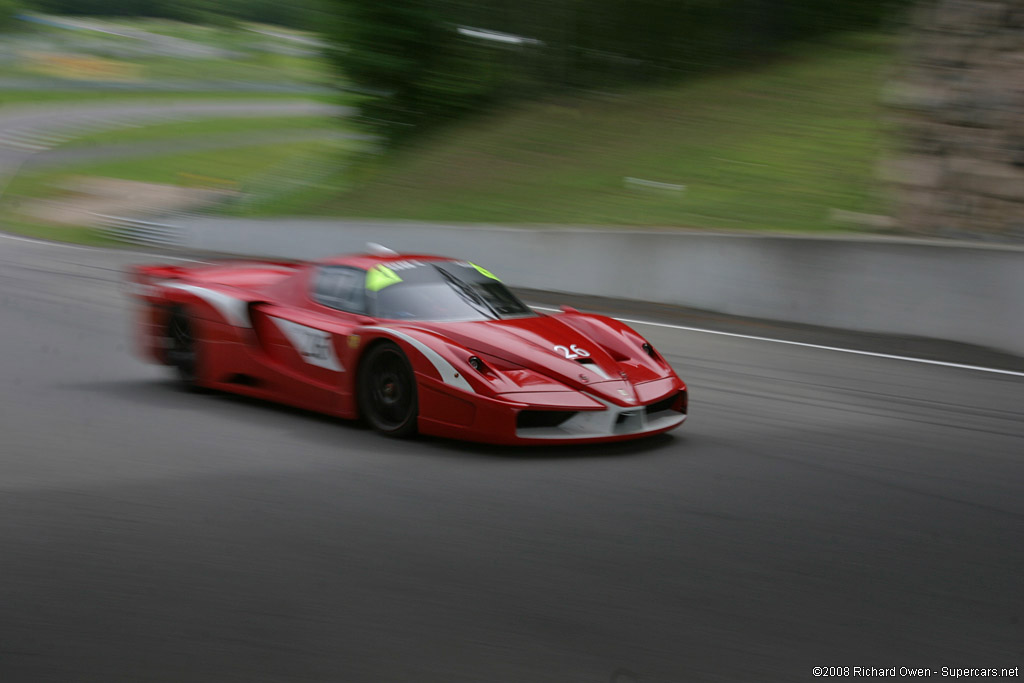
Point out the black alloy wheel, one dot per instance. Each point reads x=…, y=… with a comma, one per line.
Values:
x=182, y=347
x=387, y=391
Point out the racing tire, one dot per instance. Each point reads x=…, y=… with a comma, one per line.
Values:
x=183, y=348
x=388, y=398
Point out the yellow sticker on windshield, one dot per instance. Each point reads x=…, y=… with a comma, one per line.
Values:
x=485, y=272
x=379, y=277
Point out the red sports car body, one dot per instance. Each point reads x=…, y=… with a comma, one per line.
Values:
x=410, y=343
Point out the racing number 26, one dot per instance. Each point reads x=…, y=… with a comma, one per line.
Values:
x=572, y=352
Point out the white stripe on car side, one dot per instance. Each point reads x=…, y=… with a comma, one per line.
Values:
x=235, y=311
x=448, y=373
x=314, y=345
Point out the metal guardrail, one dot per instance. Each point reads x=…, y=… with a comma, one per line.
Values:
x=140, y=231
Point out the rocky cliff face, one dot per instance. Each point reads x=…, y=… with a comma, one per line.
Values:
x=959, y=106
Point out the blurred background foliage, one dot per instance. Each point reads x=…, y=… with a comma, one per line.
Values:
x=426, y=62
x=9, y=10
x=759, y=114
x=304, y=14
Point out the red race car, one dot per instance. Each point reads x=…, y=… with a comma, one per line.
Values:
x=409, y=343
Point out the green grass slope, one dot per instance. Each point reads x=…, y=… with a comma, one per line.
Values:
x=775, y=147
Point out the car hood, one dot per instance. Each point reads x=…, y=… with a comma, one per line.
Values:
x=552, y=347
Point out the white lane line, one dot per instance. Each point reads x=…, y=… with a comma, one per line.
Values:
x=82, y=248
x=911, y=359
x=32, y=241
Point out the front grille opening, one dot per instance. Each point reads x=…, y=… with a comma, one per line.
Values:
x=629, y=421
x=625, y=416
x=542, y=418
x=675, y=402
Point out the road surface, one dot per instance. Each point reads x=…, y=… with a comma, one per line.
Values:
x=30, y=129
x=819, y=508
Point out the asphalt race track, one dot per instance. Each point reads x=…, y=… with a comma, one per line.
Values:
x=27, y=132
x=819, y=509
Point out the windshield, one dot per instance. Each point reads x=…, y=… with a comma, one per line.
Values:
x=439, y=290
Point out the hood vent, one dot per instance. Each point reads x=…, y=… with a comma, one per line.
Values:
x=593, y=367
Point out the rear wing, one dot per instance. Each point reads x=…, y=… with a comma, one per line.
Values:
x=146, y=281
x=161, y=271
x=143, y=281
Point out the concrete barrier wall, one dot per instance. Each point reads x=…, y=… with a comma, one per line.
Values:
x=953, y=291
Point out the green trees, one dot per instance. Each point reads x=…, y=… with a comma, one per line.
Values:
x=8, y=11
x=415, y=66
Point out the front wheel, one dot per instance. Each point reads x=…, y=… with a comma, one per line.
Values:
x=387, y=391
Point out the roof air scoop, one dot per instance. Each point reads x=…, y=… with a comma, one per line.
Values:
x=380, y=249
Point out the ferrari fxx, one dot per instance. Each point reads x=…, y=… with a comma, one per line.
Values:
x=409, y=343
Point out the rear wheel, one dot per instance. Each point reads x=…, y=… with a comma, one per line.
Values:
x=387, y=391
x=183, y=347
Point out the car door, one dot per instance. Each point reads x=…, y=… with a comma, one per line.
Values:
x=308, y=341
